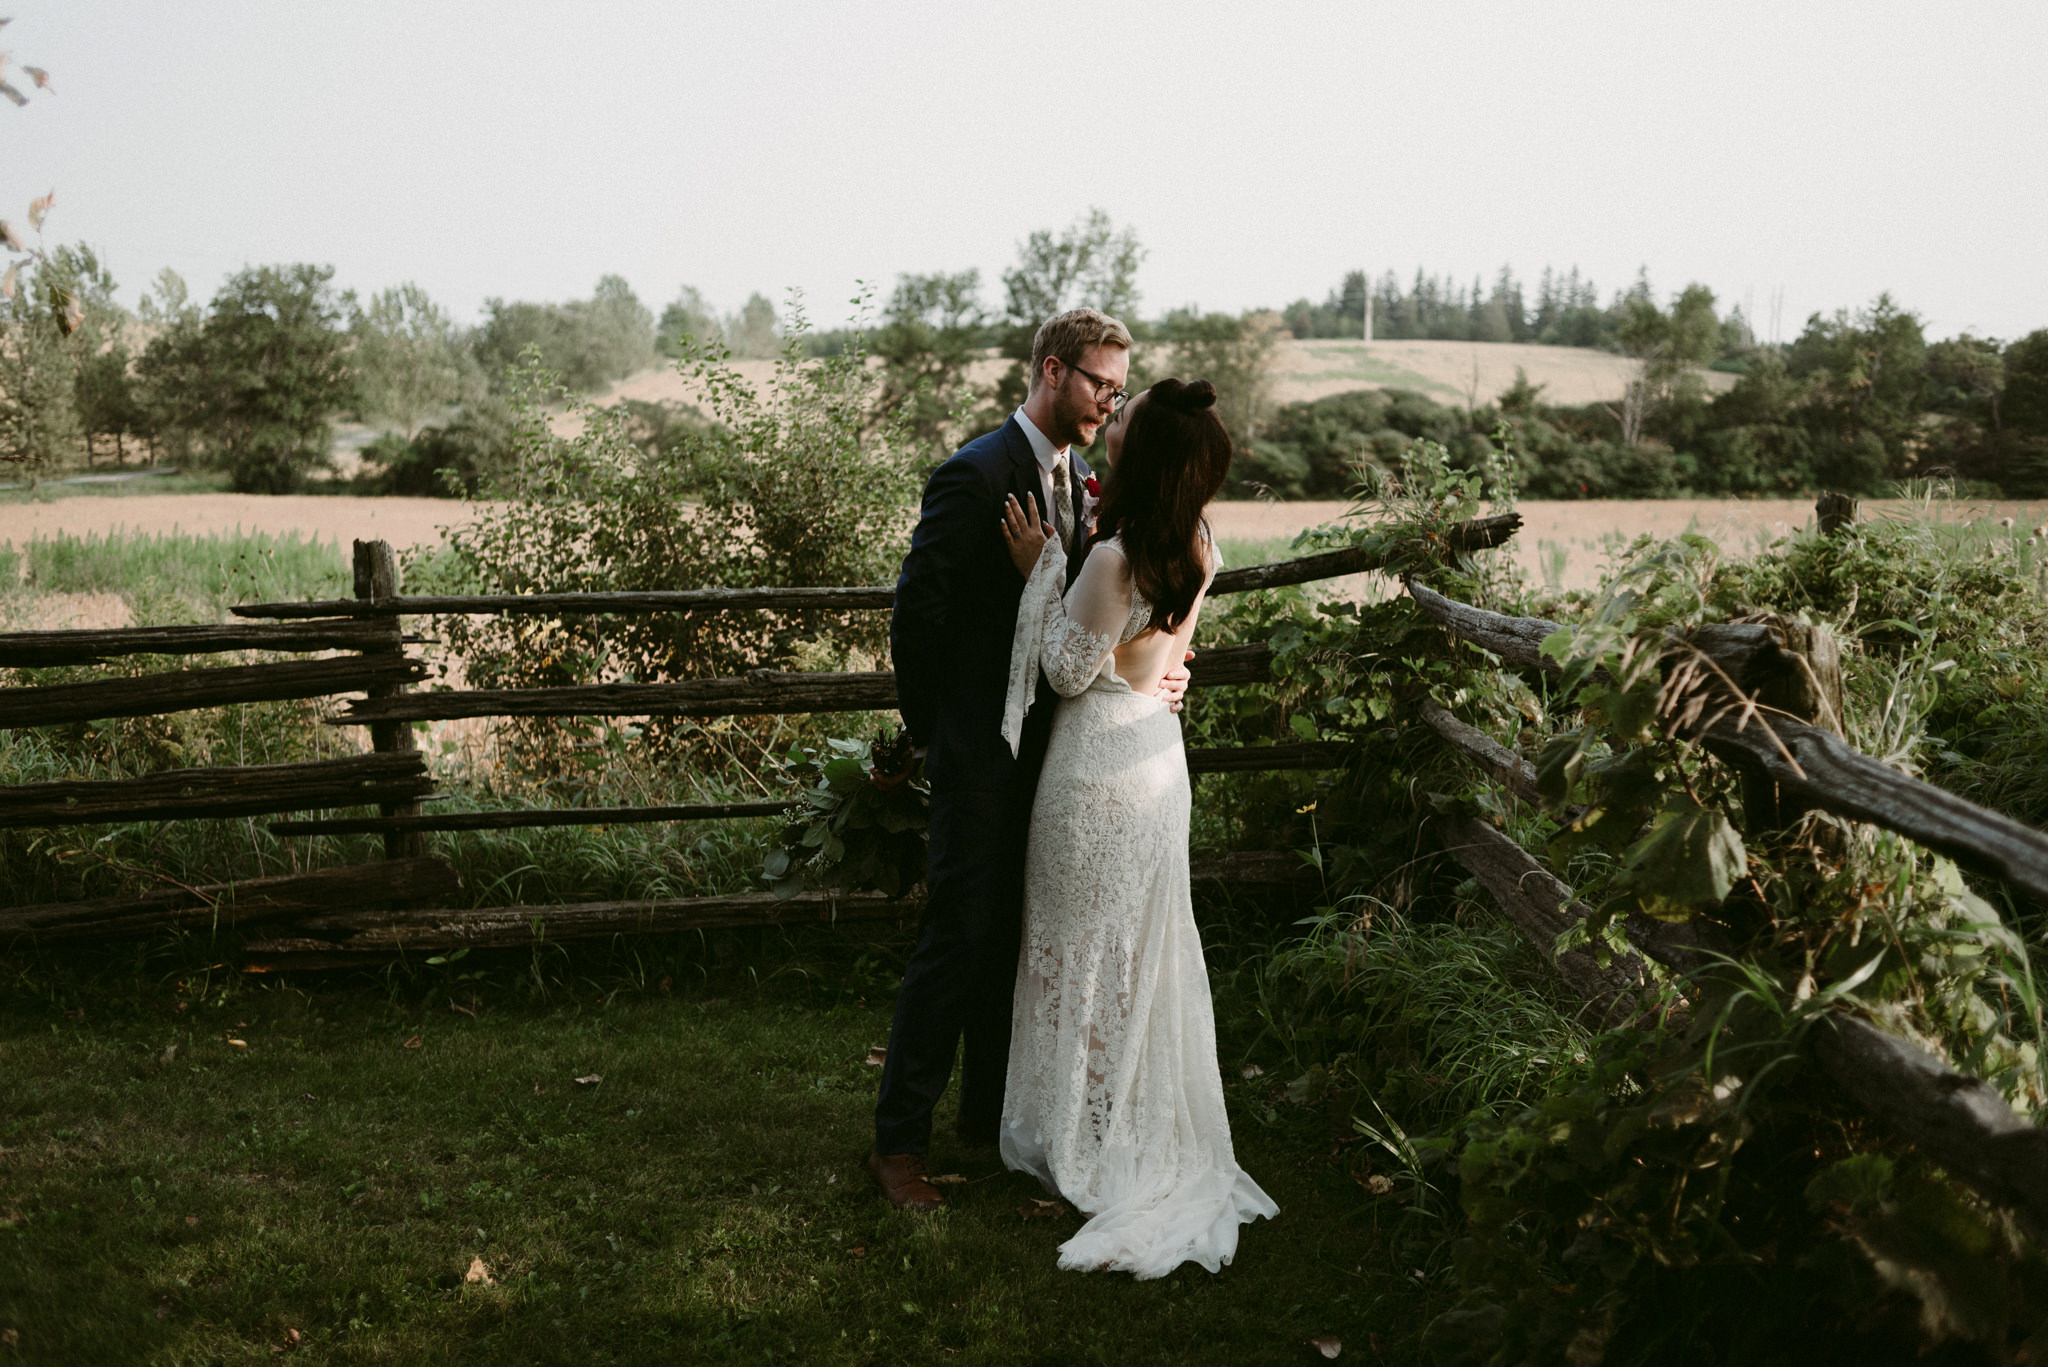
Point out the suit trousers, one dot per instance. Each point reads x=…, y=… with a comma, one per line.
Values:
x=958, y=985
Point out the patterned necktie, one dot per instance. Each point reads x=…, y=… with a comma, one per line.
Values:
x=1063, y=499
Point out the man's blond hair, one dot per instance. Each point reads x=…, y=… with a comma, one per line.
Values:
x=1069, y=335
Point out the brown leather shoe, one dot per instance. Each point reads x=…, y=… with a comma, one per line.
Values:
x=903, y=1179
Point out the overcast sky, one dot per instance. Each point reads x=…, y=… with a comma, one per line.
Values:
x=1828, y=150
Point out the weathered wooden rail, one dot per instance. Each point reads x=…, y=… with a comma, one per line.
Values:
x=354, y=907
x=1958, y=1120
x=1807, y=761
x=1477, y=534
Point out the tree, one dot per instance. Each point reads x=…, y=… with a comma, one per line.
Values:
x=751, y=332
x=2026, y=383
x=258, y=380
x=588, y=342
x=410, y=360
x=931, y=332
x=1870, y=372
x=1666, y=347
x=1091, y=264
x=687, y=316
x=1234, y=352
x=38, y=372
x=617, y=330
x=103, y=391
x=1966, y=373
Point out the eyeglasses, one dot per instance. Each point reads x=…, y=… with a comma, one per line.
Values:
x=1117, y=397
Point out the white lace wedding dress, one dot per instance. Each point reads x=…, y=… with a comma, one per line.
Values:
x=1114, y=1099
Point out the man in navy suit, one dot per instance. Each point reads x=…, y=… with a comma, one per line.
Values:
x=956, y=611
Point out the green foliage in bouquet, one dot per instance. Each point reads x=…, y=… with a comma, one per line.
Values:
x=859, y=824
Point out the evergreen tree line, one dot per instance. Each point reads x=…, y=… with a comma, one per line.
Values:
x=1566, y=312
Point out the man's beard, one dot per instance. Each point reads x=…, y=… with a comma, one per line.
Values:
x=1073, y=424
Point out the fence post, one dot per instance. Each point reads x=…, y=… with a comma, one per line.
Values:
x=1810, y=690
x=376, y=578
x=1833, y=512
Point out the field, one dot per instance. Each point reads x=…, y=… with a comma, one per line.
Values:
x=1563, y=545
x=1449, y=372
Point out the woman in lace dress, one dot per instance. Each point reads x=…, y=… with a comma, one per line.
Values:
x=1114, y=1099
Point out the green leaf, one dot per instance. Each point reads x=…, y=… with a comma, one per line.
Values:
x=845, y=771
x=1559, y=767
x=776, y=865
x=1302, y=726
x=1689, y=860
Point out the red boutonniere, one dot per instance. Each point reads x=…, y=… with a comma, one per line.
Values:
x=1093, y=486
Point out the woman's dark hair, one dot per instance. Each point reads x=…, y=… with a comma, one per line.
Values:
x=1174, y=457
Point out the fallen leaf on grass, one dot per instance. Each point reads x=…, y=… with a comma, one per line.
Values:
x=413, y=1043
x=1326, y=1344
x=479, y=1273
x=590, y=1079
x=1379, y=1186
x=877, y=1056
x=860, y=1250
x=293, y=1338
x=10, y=1337
x=947, y=1179
x=192, y=1221
x=1042, y=1210
x=169, y=1055
x=1251, y=1070
x=238, y=1044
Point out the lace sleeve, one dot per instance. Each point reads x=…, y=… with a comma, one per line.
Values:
x=1082, y=630
x=1068, y=638
x=1041, y=597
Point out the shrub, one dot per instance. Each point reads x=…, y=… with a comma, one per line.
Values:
x=793, y=485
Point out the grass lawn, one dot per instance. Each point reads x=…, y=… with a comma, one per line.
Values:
x=329, y=1185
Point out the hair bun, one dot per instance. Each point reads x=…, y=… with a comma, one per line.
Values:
x=1192, y=396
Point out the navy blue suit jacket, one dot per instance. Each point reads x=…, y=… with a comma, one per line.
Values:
x=956, y=612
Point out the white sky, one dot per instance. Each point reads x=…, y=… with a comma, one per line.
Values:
x=522, y=149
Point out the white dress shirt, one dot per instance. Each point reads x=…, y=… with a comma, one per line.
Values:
x=1048, y=455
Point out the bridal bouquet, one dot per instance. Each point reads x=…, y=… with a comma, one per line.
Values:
x=859, y=823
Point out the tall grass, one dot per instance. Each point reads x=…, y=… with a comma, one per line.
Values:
x=1424, y=1021
x=174, y=571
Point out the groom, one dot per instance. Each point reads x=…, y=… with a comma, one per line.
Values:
x=956, y=611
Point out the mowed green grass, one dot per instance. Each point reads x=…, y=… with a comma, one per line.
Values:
x=325, y=1187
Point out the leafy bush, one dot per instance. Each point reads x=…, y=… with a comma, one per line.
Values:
x=793, y=485
x=454, y=459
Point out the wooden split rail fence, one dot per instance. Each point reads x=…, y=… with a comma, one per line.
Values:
x=1766, y=709
x=367, y=913
x=1786, y=750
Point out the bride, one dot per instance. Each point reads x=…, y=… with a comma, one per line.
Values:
x=1114, y=1099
